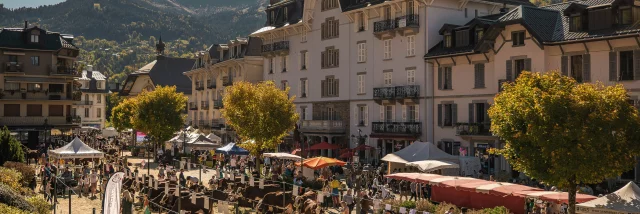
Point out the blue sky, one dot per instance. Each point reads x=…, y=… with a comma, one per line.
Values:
x=27, y=3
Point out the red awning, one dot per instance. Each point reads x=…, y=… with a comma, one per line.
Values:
x=467, y=185
x=511, y=189
x=346, y=155
x=324, y=145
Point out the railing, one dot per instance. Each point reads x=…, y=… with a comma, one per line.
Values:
x=227, y=81
x=199, y=86
x=203, y=123
x=217, y=104
x=384, y=93
x=282, y=45
x=384, y=25
x=212, y=84
x=267, y=48
x=65, y=70
x=13, y=67
x=84, y=102
x=204, y=105
x=323, y=125
x=463, y=129
x=408, y=91
x=411, y=20
x=217, y=123
x=38, y=121
x=193, y=106
x=411, y=128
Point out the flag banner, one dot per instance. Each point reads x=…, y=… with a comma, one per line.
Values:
x=112, y=194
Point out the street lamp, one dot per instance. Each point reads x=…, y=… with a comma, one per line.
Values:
x=361, y=141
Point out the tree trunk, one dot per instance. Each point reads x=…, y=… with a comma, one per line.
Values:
x=258, y=165
x=572, y=196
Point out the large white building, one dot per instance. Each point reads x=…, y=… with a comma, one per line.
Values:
x=92, y=104
x=356, y=67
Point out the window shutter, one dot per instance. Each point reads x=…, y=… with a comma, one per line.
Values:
x=440, y=78
x=527, y=64
x=337, y=58
x=440, y=115
x=636, y=64
x=471, y=105
x=337, y=85
x=404, y=113
x=323, y=89
x=322, y=59
x=509, y=69
x=479, y=75
x=323, y=30
x=393, y=113
x=381, y=113
x=613, y=65
x=449, y=78
x=355, y=115
x=366, y=115
x=306, y=87
x=417, y=115
x=564, y=65
x=586, y=68
x=300, y=88
x=454, y=114
x=337, y=27
x=487, y=120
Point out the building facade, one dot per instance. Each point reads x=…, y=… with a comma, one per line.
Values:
x=591, y=41
x=215, y=69
x=37, y=88
x=92, y=105
x=355, y=67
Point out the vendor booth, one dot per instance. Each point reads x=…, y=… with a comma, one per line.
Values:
x=201, y=142
x=420, y=151
x=625, y=200
x=232, y=149
x=75, y=149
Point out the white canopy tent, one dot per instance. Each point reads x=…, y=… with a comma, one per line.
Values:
x=75, y=149
x=214, y=138
x=282, y=155
x=109, y=132
x=625, y=200
x=201, y=142
x=433, y=165
x=418, y=151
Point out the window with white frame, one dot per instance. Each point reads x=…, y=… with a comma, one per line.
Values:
x=98, y=112
x=330, y=87
x=99, y=98
x=284, y=61
x=410, y=113
x=362, y=52
x=303, y=60
x=362, y=115
x=411, y=76
x=361, y=79
x=35, y=38
x=361, y=22
x=86, y=112
x=303, y=113
x=304, y=87
x=285, y=85
x=387, y=113
x=387, y=49
x=411, y=45
x=387, y=78
x=303, y=37
x=271, y=65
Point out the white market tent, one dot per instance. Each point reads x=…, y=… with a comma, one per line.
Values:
x=214, y=138
x=418, y=151
x=75, y=149
x=109, y=132
x=625, y=200
x=201, y=142
x=282, y=155
x=433, y=165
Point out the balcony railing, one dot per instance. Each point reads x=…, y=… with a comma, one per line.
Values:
x=199, y=86
x=39, y=121
x=65, y=70
x=13, y=67
x=217, y=123
x=482, y=129
x=282, y=45
x=407, y=91
x=203, y=123
x=267, y=48
x=384, y=93
x=217, y=104
x=323, y=125
x=384, y=25
x=227, y=81
x=204, y=105
x=409, y=128
x=84, y=102
x=411, y=20
x=193, y=106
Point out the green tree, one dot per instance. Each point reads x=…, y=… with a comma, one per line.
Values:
x=10, y=148
x=159, y=113
x=123, y=115
x=565, y=133
x=113, y=100
x=259, y=112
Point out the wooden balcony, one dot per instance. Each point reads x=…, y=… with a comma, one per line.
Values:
x=323, y=126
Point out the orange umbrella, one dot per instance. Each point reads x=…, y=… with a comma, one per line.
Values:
x=320, y=162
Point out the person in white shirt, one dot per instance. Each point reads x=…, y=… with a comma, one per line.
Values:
x=94, y=182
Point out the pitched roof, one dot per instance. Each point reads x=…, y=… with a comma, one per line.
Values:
x=349, y=5
x=168, y=71
x=50, y=41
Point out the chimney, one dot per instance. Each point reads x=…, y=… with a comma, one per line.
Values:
x=89, y=67
x=26, y=24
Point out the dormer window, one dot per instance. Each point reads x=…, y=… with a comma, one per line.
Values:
x=575, y=23
x=447, y=40
x=273, y=17
x=462, y=38
x=35, y=36
x=479, y=34
x=625, y=16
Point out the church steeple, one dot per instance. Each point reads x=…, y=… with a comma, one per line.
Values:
x=160, y=47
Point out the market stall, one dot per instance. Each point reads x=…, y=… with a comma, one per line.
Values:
x=232, y=149
x=419, y=151
x=625, y=200
x=75, y=149
x=201, y=142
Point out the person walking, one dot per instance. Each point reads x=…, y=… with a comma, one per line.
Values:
x=412, y=186
x=335, y=192
x=183, y=180
x=348, y=199
x=94, y=183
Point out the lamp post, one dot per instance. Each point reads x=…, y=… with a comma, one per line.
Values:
x=361, y=141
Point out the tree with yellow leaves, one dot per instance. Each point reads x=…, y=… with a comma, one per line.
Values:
x=261, y=114
x=159, y=113
x=565, y=133
x=123, y=114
